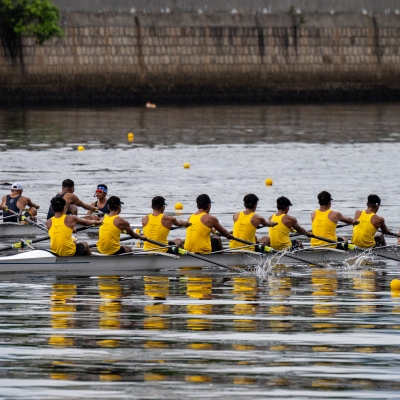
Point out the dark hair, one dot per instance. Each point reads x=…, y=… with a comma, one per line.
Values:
x=202, y=201
x=68, y=183
x=158, y=202
x=324, y=198
x=102, y=184
x=57, y=204
x=373, y=200
x=114, y=202
x=282, y=202
x=250, y=200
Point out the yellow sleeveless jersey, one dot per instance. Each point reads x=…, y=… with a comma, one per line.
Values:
x=198, y=238
x=61, y=241
x=243, y=229
x=279, y=234
x=323, y=226
x=155, y=230
x=364, y=232
x=109, y=236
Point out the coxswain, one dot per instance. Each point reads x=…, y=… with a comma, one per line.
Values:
x=245, y=224
x=324, y=222
x=198, y=235
x=112, y=227
x=15, y=206
x=61, y=226
x=71, y=199
x=279, y=235
x=157, y=225
x=364, y=234
x=101, y=202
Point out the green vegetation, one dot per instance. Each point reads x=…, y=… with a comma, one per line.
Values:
x=34, y=18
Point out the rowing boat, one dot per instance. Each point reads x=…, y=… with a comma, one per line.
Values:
x=43, y=261
x=14, y=229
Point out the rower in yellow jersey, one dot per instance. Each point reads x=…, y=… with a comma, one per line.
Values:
x=61, y=227
x=279, y=235
x=324, y=221
x=156, y=226
x=110, y=230
x=245, y=224
x=198, y=235
x=364, y=234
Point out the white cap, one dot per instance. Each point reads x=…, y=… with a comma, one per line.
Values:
x=17, y=186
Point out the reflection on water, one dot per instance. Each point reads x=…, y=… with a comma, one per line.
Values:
x=159, y=335
x=108, y=127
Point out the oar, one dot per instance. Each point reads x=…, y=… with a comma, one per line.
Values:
x=41, y=239
x=351, y=246
x=269, y=249
x=29, y=221
x=189, y=253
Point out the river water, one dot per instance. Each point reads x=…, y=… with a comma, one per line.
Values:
x=298, y=332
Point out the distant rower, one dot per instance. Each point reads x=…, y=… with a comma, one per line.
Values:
x=245, y=224
x=198, y=235
x=279, y=235
x=15, y=203
x=101, y=202
x=364, y=234
x=72, y=200
x=61, y=227
x=110, y=230
x=324, y=221
x=157, y=225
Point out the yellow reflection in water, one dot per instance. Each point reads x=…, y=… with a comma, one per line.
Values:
x=62, y=312
x=198, y=379
x=199, y=288
x=325, y=284
x=245, y=289
x=280, y=290
x=153, y=377
x=158, y=288
x=244, y=381
x=366, y=283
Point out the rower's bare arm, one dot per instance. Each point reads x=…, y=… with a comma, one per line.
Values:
x=357, y=214
x=347, y=220
x=75, y=200
x=30, y=203
x=264, y=222
x=383, y=227
x=299, y=228
x=179, y=222
x=3, y=203
x=124, y=225
x=86, y=221
x=217, y=226
x=90, y=211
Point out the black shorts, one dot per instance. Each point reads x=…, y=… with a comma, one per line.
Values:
x=80, y=250
x=215, y=244
x=121, y=250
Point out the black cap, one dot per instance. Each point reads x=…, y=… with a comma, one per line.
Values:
x=324, y=198
x=114, y=202
x=374, y=200
x=283, y=202
x=203, y=200
x=158, y=202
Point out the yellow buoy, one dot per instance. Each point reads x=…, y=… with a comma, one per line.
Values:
x=178, y=206
x=81, y=148
x=269, y=182
x=186, y=165
x=131, y=137
x=395, y=284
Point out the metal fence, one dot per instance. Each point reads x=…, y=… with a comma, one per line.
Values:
x=232, y=6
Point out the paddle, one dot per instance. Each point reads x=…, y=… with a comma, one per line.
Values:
x=355, y=248
x=41, y=239
x=269, y=249
x=188, y=253
x=29, y=221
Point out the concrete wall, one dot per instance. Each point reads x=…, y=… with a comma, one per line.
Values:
x=229, y=6
x=118, y=57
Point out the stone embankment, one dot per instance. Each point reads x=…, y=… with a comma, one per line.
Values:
x=131, y=57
